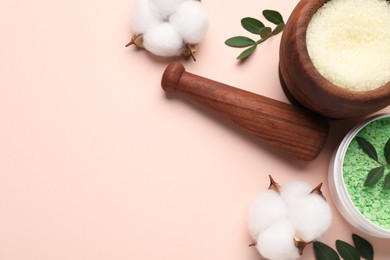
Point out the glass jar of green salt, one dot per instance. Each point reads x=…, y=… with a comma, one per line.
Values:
x=359, y=176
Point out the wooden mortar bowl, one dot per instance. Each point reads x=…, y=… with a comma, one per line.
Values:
x=303, y=83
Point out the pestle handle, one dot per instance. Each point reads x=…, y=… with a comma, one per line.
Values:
x=286, y=127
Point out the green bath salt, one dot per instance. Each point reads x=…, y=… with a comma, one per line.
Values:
x=373, y=201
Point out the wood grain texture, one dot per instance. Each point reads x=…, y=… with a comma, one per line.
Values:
x=305, y=84
x=286, y=127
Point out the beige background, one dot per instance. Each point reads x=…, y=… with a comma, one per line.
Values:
x=96, y=162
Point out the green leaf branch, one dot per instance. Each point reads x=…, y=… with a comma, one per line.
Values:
x=257, y=27
x=377, y=173
x=361, y=248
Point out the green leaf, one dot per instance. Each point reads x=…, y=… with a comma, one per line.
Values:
x=278, y=29
x=386, y=184
x=374, y=176
x=239, y=41
x=324, y=252
x=252, y=25
x=347, y=251
x=265, y=32
x=363, y=246
x=387, y=151
x=273, y=17
x=247, y=52
x=367, y=147
x=257, y=27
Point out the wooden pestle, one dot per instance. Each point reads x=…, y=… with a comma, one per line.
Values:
x=290, y=129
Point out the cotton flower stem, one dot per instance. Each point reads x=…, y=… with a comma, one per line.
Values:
x=135, y=40
x=300, y=244
x=317, y=190
x=191, y=51
x=273, y=184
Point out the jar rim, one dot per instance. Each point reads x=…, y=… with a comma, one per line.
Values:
x=340, y=193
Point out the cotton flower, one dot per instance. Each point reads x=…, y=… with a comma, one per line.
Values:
x=284, y=219
x=277, y=242
x=268, y=202
x=190, y=20
x=311, y=217
x=294, y=190
x=165, y=8
x=163, y=40
x=168, y=27
x=143, y=17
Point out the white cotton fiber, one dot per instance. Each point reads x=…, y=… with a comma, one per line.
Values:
x=191, y=21
x=166, y=26
x=311, y=216
x=295, y=189
x=165, y=8
x=163, y=40
x=143, y=17
x=267, y=209
x=277, y=242
x=278, y=218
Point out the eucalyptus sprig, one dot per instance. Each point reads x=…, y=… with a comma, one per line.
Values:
x=377, y=173
x=257, y=27
x=361, y=248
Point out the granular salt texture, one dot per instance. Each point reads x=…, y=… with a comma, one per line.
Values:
x=373, y=202
x=349, y=43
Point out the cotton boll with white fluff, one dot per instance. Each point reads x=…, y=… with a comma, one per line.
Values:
x=295, y=189
x=168, y=27
x=143, y=17
x=163, y=40
x=165, y=8
x=277, y=242
x=284, y=219
x=267, y=209
x=191, y=21
x=311, y=216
